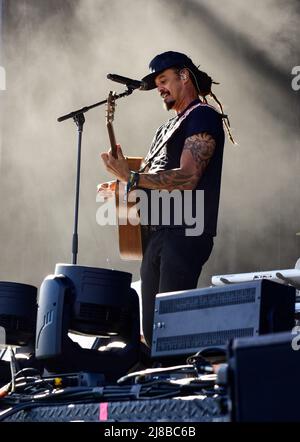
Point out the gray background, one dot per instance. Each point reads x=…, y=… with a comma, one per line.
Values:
x=57, y=53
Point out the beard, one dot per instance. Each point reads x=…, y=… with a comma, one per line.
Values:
x=168, y=105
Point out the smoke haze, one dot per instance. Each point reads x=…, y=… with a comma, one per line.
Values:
x=57, y=54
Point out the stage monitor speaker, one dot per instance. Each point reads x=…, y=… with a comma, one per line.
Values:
x=188, y=321
x=264, y=378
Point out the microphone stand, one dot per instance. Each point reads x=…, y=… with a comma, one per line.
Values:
x=79, y=119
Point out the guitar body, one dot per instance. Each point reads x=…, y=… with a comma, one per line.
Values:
x=130, y=235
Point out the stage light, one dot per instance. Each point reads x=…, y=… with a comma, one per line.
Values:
x=88, y=301
x=18, y=308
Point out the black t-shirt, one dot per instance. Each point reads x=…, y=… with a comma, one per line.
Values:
x=203, y=118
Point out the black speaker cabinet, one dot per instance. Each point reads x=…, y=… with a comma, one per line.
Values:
x=188, y=321
x=264, y=376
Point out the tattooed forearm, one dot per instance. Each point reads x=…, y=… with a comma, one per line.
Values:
x=202, y=147
x=197, y=151
x=169, y=180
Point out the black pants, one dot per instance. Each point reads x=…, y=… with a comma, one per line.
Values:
x=172, y=261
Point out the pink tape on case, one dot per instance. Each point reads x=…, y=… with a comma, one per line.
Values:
x=103, y=415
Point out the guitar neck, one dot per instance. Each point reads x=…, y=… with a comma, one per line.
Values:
x=112, y=139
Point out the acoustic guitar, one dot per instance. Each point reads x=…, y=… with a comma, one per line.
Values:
x=129, y=229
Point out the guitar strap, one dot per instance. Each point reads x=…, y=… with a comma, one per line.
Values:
x=174, y=124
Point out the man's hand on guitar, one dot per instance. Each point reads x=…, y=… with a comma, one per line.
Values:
x=116, y=166
x=107, y=190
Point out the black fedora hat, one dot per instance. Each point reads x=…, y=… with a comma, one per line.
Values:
x=165, y=61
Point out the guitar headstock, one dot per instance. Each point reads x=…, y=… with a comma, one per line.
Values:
x=110, y=107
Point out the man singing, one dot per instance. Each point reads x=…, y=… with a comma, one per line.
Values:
x=186, y=155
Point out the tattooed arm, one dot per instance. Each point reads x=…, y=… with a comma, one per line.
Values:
x=196, y=154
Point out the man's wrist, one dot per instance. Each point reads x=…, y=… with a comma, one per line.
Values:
x=133, y=180
x=128, y=176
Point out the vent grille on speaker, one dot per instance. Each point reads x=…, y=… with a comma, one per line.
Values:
x=11, y=322
x=104, y=279
x=219, y=299
x=101, y=313
x=201, y=340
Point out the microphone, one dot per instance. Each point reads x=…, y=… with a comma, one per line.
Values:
x=129, y=82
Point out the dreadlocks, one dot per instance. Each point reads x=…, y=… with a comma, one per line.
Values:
x=203, y=83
